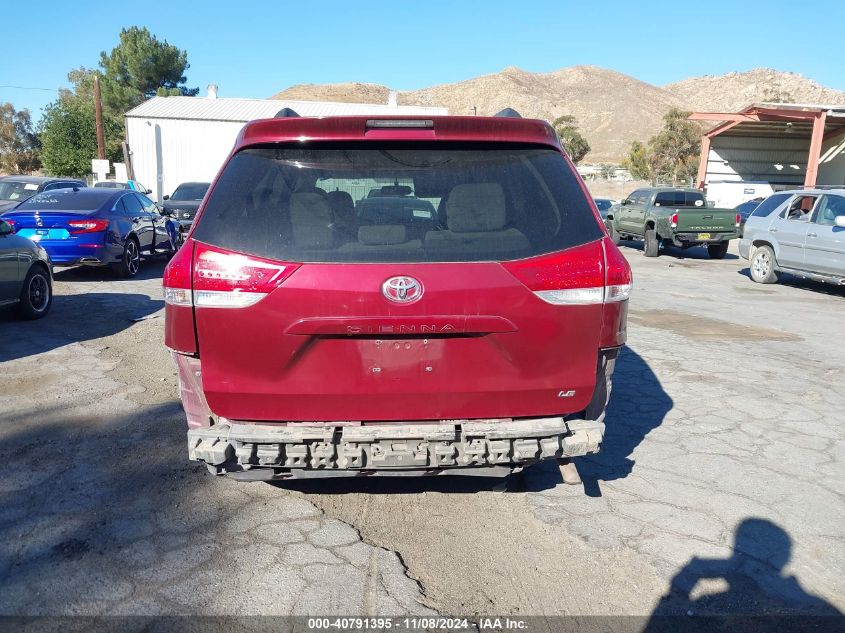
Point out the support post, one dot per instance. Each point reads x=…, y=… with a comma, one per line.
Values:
x=702, y=161
x=815, y=150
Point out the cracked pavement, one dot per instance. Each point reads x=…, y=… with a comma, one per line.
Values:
x=719, y=488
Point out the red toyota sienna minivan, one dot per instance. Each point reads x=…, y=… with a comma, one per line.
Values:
x=383, y=295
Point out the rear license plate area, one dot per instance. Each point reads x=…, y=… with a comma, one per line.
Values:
x=44, y=234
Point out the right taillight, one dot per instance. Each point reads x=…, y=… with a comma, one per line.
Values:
x=674, y=220
x=619, y=279
x=589, y=274
x=87, y=226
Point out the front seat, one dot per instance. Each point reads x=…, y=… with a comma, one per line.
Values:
x=343, y=208
x=476, y=217
x=311, y=220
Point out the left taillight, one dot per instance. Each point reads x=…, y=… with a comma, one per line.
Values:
x=738, y=220
x=179, y=334
x=10, y=222
x=176, y=280
x=222, y=279
x=674, y=220
x=87, y=226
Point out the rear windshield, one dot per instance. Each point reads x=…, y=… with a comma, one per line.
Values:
x=679, y=199
x=13, y=190
x=111, y=184
x=79, y=201
x=422, y=202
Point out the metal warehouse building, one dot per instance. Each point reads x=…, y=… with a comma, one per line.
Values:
x=771, y=146
x=181, y=139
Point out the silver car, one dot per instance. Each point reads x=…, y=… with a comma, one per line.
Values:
x=799, y=232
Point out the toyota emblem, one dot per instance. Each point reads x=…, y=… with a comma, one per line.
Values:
x=402, y=289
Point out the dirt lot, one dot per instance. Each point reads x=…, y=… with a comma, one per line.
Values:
x=719, y=488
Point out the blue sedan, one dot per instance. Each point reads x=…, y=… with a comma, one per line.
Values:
x=95, y=227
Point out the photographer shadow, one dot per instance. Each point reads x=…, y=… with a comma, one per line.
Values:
x=758, y=597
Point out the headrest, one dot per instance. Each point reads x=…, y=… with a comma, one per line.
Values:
x=382, y=234
x=311, y=218
x=476, y=208
x=341, y=201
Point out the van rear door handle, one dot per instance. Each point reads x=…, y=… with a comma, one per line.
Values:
x=772, y=230
x=812, y=235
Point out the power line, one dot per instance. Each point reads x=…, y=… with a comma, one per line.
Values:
x=30, y=88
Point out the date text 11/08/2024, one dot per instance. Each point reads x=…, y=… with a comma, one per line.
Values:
x=416, y=624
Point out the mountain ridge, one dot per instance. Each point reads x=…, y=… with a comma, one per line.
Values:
x=613, y=109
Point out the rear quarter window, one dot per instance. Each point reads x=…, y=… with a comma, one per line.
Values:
x=770, y=204
x=433, y=202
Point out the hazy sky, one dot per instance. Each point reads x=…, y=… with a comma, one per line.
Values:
x=254, y=49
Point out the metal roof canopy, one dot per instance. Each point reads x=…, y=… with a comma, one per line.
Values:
x=816, y=123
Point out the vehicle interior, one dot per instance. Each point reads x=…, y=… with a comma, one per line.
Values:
x=801, y=208
x=830, y=208
x=496, y=208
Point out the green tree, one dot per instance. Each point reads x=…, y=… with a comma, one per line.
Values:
x=677, y=146
x=607, y=171
x=19, y=145
x=640, y=162
x=571, y=138
x=69, y=137
x=140, y=67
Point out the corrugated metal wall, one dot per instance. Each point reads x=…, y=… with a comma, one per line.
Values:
x=781, y=160
x=832, y=164
x=167, y=152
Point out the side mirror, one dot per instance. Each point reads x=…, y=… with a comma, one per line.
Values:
x=840, y=220
x=625, y=202
x=148, y=192
x=165, y=211
x=6, y=228
x=166, y=198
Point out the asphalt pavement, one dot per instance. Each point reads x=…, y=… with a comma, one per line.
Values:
x=719, y=489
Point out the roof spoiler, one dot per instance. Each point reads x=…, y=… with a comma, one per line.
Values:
x=509, y=113
x=285, y=113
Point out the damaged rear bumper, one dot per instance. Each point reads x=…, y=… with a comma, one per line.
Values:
x=265, y=451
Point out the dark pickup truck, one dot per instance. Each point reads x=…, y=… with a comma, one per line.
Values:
x=672, y=217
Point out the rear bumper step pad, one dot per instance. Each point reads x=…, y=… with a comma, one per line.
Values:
x=232, y=447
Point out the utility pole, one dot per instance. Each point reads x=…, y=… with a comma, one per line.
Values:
x=98, y=114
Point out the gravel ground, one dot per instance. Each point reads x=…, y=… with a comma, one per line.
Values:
x=719, y=489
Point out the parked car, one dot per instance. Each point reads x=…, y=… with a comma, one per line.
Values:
x=26, y=275
x=132, y=185
x=486, y=343
x=183, y=204
x=665, y=216
x=95, y=227
x=603, y=205
x=798, y=232
x=744, y=210
x=16, y=189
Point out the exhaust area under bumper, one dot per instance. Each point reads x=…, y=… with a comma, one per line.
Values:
x=265, y=451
